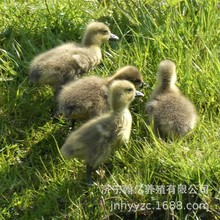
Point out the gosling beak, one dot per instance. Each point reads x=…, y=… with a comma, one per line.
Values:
x=144, y=85
x=113, y=37
x=138, y=94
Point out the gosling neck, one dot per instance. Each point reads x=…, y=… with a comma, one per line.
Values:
x=167, y=83
x=118, y=108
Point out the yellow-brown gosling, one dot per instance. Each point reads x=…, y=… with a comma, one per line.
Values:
x=170, y=112
x=86, y=98
x=69, y=61
x=96, y=140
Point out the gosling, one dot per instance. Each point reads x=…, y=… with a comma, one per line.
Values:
x=170, y=112
x=69, y=61
x=96, y=140
x=86, y=98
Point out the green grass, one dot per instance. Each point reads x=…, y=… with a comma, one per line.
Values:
x=37, y=183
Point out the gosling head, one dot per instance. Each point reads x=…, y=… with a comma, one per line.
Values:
x=130, y=73
x=97, y=33
x=166, y=74
x=121, y=94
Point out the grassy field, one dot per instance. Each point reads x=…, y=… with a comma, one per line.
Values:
x=150, y=179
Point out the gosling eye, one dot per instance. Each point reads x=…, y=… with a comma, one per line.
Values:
x=129, y=90
x=104, y=31
x=137, y=81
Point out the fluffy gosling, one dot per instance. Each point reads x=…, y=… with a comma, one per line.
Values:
x=96, y=140
x=170, y=112
x=86, y=98
x=69, y=61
